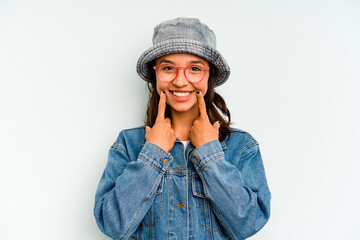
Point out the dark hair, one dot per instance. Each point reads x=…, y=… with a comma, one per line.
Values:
x=213, y=102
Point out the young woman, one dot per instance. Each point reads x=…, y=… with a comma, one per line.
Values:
x=186, y=174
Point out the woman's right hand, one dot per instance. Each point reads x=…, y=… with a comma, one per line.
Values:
x=161, y=133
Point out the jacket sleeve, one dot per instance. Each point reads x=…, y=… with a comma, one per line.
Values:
x=239, y=195
x=127, y=188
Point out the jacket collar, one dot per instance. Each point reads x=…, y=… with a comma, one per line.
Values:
x=223, y=146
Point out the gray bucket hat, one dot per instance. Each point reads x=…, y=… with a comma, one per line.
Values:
x=184, y=35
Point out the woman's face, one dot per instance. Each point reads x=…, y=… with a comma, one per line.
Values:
x=180, y=84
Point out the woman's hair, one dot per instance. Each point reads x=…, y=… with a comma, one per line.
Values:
x=213, y=102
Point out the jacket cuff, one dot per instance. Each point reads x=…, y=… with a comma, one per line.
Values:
x=156, y=156
x=205, y=153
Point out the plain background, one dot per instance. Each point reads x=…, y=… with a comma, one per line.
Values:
x=69, y=86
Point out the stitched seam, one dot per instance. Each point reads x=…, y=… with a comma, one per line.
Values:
x=174, y=173
x=200, y=146
x=168, y=213
x=151, y=164
x=153, y=191
x=159, y=216
x=189, y=206
x=161, y=182
x=198, y=207
x=215, y=230
x=246, y=148
x=207, y=209
x=132, y=221
x=222, y=222
x=167, y=153
x=201, y=168
x=119, y=147
x=152, y=224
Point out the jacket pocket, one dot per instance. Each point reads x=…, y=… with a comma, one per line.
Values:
x=153, y=216
x=205, y=216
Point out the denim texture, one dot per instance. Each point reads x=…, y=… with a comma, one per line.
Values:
x=215, y=191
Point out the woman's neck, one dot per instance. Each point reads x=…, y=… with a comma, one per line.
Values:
x=182, y=122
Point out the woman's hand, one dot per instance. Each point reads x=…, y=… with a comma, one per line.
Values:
x=202, y=131
x=161, y=133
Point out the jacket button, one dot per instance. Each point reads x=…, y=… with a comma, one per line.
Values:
x=165, y=161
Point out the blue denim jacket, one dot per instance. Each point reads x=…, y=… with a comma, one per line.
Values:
x=215, y=191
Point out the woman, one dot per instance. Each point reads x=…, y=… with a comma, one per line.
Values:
x=186, y=174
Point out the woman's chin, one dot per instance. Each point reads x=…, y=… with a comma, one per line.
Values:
x=181, y=107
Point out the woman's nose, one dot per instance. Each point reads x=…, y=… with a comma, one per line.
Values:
x=180, y=79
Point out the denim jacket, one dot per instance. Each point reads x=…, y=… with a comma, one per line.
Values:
x=215, y=191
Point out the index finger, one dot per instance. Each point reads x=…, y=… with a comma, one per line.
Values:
x=202, y=105
x=162, y=106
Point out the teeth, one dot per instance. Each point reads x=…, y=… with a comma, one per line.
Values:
x=181, y=94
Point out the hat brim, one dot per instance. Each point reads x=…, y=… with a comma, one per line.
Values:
x=184, y=46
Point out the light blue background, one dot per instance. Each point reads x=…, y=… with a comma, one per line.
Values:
x=69, y=85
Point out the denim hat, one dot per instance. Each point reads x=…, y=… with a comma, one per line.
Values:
x=184, y=35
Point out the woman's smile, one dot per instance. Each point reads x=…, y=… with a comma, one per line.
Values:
x=180, y=91
x=181, y=96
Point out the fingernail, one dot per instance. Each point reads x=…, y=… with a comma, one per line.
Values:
x=198, y=92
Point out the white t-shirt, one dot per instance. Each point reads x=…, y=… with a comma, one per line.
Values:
x=186, y=143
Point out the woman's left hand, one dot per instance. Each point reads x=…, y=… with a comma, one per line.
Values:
x=202, y=130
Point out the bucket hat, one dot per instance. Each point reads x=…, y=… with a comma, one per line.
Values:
x=184, y=35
